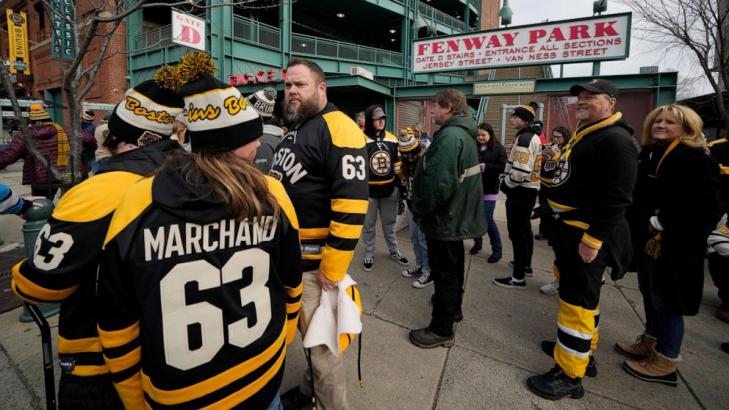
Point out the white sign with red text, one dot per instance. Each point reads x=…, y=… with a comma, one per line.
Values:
x=188, y=30
x=569, y=41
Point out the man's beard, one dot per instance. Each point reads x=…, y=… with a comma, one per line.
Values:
x=307, y=109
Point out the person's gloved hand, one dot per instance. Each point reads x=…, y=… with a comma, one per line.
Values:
x=401, y=207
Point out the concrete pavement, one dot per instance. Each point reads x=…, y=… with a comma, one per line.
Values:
x=497, y=346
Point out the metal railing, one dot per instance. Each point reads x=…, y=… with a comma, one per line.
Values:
x=438, y=16
x=320, y=47
x=159, y=37
x=256, y=32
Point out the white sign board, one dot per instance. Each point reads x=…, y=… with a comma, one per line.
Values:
x=188, y=30
x=569, y=41
x=504, y=87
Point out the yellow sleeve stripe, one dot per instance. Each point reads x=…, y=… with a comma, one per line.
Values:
x=291, y=329
x=345, y=231
x=724, y=170
x=131, y=393
x=94, y=198
x=295, y=292
x=559, y=206
x=334, y=263
x=68, y=346
x=344, y=132
x=138, y=197
x=715, y=142
x=591, y=241
x=212, y=384
x=31, y=289
x=89, y=370
x=115, y=338
x=313, y=233
x=278, y=192
x=350, y=206
x=311, y=257
x=385, y=182
x=293, y=307
x=577, y=224
x=121, y=363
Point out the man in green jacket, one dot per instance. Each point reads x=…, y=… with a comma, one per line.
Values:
x=448, y=207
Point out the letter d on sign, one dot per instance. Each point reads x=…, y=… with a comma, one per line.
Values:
x=188, y=30
x=190, y=35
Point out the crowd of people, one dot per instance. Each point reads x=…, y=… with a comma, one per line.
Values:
x=212, y=229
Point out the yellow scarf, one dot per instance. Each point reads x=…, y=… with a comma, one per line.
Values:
x=581, y=132
x=63, y=147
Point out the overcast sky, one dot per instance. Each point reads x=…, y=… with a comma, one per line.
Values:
x=641, y=52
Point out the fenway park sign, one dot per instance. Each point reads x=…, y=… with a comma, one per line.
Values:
x=560, y=42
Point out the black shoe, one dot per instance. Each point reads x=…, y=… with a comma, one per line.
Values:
x=555, y=384
x=294, y=399
x=426, y=339
x=509, y=283
x=495, y=256
x=548, y=348
x=725, y=347
x=476, y=248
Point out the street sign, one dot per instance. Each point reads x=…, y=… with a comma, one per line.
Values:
x=63, y=42
x=188, y=30
x=504, y=87
x=560, y=42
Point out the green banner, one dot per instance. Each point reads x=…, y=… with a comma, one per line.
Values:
x=63, y=43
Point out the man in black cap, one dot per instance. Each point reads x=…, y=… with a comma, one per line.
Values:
x=591, y=188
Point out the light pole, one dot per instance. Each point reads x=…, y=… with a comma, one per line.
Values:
x=505, y=13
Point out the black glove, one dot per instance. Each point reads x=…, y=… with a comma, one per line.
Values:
x=27, y=204
x=400, y=207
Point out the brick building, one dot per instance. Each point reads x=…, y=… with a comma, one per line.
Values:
x=46, y=78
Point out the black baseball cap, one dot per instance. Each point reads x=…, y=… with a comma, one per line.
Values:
x=595, y=87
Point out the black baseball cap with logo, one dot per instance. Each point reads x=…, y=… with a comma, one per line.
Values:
x=595, y=87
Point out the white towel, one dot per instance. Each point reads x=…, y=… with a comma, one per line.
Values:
x=337, y=314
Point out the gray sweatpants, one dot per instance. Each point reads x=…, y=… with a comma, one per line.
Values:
x=387, y=208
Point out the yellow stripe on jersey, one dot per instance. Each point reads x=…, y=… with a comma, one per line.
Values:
x=115, y=338
x=715, y=142
x=136, y=200
x=88, y=370
x=295, y=292
x=121, y=363
x=591, y=241
x=345, y=231
x=212, y=384
x=251, y=389
x=311, y=257
x=278, y=192
x=577, y=224
x=25, y=285
x=94, y=198
x=131, y=393
x=724, y=170
x=350, y=206
x=390, y=137
x=559, y=207
x=313, y=233
x=344, y=132
x=90, y=344
x=334, y=263
x=385, y=182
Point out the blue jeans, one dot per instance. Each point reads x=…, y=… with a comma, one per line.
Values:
x=493, y=230
x=276, y=403
x=666, y=326
x=420, y=247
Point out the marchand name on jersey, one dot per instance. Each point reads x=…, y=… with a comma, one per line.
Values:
x=184, y=239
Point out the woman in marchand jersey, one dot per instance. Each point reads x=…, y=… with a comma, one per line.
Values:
x=200, y=279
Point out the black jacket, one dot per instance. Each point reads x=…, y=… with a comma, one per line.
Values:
x=494, y=159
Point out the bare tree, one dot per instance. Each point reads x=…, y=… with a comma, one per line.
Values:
x=698, y=27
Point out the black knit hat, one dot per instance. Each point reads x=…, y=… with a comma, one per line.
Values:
x=150, y=106
x=526, y=112
x=263, y=101
x=218, y=117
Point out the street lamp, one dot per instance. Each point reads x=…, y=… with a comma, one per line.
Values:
x=505, y=13
x=599, y=6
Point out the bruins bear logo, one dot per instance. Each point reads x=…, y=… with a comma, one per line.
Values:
x=380, y=163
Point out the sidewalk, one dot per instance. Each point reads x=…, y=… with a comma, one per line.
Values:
x=497, y=346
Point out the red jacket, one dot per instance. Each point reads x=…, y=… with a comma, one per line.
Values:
x=45, y=138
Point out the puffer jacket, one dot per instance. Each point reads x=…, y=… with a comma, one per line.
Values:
x=45, y=138
x=447, y=187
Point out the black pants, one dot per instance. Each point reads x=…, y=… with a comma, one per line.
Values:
x=44, y=190
x=519, y=206
x=446, y=268
x=87, y=393
x=719, y=270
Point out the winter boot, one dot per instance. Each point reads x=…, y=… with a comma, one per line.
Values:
x=555, y=384
x=638, y=350
x=656, y=369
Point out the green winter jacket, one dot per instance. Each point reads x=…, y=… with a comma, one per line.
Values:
x=447, y=188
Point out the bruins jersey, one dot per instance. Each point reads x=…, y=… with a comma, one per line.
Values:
x=322, y=164
x=594, y=178
x=383, y=159
x=524, y=163
x=198, y=306
x=720, y=151
x=65, y=258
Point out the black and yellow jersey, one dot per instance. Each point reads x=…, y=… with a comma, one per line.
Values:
x=66, y=255
x=196, y=306
x=593, y=182
x=720, y=152
x=322, y=164
x=383, y=159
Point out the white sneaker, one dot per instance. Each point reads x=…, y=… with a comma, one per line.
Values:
x=423, y=281
x=550, y=288
x=367, y=263
x=412, y=271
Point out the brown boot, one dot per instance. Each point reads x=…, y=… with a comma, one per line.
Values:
x=657, y=369
x=638, y=350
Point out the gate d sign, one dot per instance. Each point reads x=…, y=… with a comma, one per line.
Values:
x=188, y=30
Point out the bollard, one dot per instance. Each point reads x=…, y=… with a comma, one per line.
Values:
x=35, y=218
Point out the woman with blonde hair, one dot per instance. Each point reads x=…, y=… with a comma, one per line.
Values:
x=676, y=207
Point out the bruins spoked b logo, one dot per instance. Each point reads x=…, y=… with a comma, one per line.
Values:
x=562, y=173
x=380, y=163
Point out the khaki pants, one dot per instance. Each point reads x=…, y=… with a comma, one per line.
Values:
x=329, y=379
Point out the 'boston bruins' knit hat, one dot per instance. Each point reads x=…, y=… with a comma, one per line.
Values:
x=150, y=106
x=218, y=117
x=526, y=112
x=263, y=101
